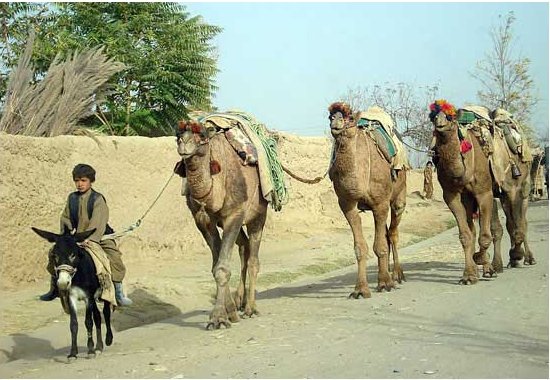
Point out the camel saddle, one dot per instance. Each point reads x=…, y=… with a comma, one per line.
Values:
x=241, y=131
x=504, y=121
x=379, y=124
x=477, y=119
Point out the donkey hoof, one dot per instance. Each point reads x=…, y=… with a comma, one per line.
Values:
x=98, y=352
x=71, y=358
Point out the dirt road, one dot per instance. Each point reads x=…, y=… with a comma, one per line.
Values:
x=429, y=327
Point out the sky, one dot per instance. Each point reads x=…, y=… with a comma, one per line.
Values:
x=286, y=62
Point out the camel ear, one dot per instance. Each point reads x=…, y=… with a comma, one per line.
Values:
x=49, y=236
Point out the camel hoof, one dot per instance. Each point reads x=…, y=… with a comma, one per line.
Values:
x=360, y=294
x=250, y=312
x=216, y=325
x=529, y=261
x=387, y=288
x=498, y=268
x=490, y=274
x=514, y=264
x=233, y=317
x=71, y=358
x=467, y=281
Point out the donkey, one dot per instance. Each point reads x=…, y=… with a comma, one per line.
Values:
x=77, y=281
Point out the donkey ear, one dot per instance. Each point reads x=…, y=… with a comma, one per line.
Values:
x=49, y=236
x=81, y=236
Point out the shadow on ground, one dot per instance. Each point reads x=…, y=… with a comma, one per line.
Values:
x=27, y=347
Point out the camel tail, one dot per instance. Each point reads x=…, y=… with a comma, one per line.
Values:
x=303, y=180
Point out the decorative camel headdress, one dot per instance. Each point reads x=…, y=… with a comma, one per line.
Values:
x=342, y=107
x=442, y=105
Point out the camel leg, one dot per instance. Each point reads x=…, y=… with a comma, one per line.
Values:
x=397, y=209
x=485, y=204
x=255, y=231
x=351, y=214
x=525, y=190
x=225, y=311
x=529, y=258
x=515, y=254
x=210, y=234
x=496, y=232
x=454, y=203
x=244, y=254
x=381, y=248
x=516, y=251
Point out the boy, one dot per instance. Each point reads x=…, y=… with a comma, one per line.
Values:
x=86, y=209
x=428, y=182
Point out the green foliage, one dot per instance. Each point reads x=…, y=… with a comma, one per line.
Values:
x=170, y=62
x=505, y=78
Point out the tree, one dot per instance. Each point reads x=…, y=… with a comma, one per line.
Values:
x=169, y=59
x=504, y=77
x=15, y=20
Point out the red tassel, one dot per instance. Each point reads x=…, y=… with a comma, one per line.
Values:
x=465, y=146
x=196, y=127
x=215, y=167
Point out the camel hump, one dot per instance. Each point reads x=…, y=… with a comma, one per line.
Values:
x=504, y=121
x=255, y=145
x=381, y=126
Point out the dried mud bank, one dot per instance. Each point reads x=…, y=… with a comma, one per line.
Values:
x=35, y=179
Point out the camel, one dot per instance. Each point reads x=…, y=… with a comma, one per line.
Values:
x=224, y=193
x=361, y=176
x=513, y=192
x=465, y=177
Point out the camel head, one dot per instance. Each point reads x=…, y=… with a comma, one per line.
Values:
x=442, y=115
x=341, y=118
x=192, y=138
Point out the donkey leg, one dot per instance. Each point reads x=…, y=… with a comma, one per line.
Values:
x=89, y=324
x=107, y=316
x=255, y=231
x=349, y=209
x=97, y=322
x=74, y=330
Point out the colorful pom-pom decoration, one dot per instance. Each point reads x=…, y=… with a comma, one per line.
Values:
x=442, y=105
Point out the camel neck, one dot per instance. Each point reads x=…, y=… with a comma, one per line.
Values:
x=450, y=158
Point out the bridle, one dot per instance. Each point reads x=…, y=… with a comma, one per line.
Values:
x=66, y=268
x=348, y=124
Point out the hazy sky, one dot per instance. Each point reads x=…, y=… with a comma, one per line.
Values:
x=286, y=62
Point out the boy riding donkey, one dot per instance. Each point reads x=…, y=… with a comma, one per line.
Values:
x=85, y=210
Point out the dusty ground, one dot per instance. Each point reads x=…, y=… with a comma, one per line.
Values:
x=308, y=328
